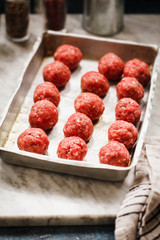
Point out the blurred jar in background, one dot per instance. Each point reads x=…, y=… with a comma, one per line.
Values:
x=103, y=17
x=55, y=12
x=17, y=19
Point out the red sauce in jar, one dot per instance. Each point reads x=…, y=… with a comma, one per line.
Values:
x=55, y=11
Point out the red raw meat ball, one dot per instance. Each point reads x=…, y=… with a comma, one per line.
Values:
x=89, y=104
x=33, y=140
x=73, y=148
x=128, y=110
x=123, y=132
x=111, y=66
x=114, y=153
x=130, y=87
x=138, y=69
x=57, y=73
x=78, y=124
x=47, y=90
x=95, y=82
x=43, y=114
x=69, y=55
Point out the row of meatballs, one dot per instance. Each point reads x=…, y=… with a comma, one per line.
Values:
x=89, y=106
x=133, y=76
x=44, y=113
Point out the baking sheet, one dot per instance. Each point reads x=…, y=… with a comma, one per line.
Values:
x=16, y=118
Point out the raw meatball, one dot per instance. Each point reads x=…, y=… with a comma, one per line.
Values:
x=69, y=55
x=95, y=82
x=123, y=132
x=111, y=66
x=78, y=124
x=73, y=148
x=57, y=73
x=33, y=140
x=47, y=90
x=43, y=114
x=114, y=153
x=130, y=87
x=138, y=69
x=128, y=110
x=89, y=104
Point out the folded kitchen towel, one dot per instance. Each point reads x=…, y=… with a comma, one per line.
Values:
x=139, y=214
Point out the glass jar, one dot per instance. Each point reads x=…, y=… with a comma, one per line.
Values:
x=55, y=13
x=17, y=19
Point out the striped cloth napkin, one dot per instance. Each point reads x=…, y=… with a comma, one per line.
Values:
x=139, y=214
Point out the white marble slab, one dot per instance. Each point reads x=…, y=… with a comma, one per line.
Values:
x=34, y=197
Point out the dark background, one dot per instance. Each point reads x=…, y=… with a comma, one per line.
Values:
x=131, y=6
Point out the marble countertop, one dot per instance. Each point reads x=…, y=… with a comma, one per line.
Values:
x=32, y=197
